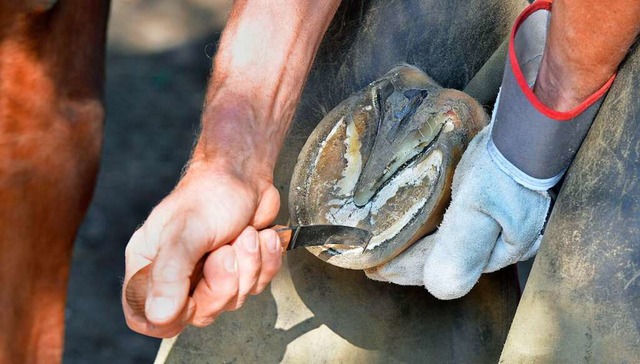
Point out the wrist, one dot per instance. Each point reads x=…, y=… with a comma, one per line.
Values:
x=587, y=41
x=561, y=86
x=554, y=90
x=236, y=138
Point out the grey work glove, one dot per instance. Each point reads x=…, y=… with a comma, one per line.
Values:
x=499, y=199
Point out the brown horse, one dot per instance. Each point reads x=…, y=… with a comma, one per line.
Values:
x=51, y=117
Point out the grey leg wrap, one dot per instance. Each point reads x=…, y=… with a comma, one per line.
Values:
x=582, y=301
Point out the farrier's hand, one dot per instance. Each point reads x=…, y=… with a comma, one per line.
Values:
x=215, y=208
x=227, y=192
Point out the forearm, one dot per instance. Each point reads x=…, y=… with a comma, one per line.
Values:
x=587, y=41
x=265, y=54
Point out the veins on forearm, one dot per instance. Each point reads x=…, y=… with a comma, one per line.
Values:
x=265, y=54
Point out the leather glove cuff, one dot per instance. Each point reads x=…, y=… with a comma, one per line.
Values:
x=531, y=142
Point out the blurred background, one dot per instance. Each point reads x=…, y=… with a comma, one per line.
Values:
x=157, y=69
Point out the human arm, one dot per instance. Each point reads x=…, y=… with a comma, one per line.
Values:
x=227, y=192
x=497, y=212
x=588, y=39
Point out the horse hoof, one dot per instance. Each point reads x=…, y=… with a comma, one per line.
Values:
x=383, y=160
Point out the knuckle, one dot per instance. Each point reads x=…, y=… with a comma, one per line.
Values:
x=239, y=303
x=259, y=288
x=203, y=321
x=270, y=271
x=169, y=272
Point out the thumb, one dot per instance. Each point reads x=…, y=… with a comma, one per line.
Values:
x=407, y=268
x=169, y=283
x=462, y=246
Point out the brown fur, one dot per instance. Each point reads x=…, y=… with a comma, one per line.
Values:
x=51, y=114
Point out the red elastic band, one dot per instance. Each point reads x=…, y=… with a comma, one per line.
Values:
x=522, y=82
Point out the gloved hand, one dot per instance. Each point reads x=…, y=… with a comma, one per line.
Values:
x=499, y=199
x=492, y=222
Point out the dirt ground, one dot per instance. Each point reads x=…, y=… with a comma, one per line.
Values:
x=156, y=75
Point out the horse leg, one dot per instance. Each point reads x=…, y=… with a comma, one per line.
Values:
x=51, y=115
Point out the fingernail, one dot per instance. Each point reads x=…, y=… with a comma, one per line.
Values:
x=230, y=263
x=274, y=243
x=161, y=308
x=250, y=241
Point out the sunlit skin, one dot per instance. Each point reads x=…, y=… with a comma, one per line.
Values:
x=587, y=41
x=227, y=192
